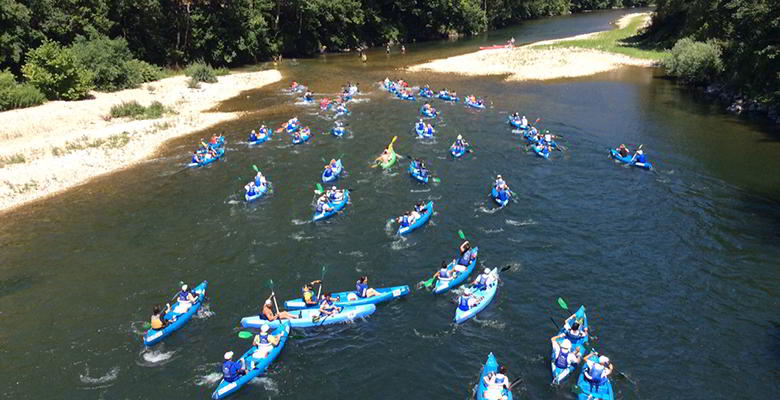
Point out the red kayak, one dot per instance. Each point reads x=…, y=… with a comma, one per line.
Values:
x=498, y=46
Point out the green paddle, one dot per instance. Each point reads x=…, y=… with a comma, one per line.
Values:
x=255, y=167
x=245, y=334
x=563, y=304
x=319, y=189
x=462, y=236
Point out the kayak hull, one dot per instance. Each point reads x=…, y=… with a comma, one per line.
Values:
x=258, y=193
x=301, y=140
x=336, y=172
x=338, y=132
x=336, y=208
x=420, y=221
x=498, y=200
x=350, y=299
x=474, y=105
x=220, y=153
x=266, y=136
x=443, y=286
x=225, y=389
x=153, y=337
x=491, y=366
x=416, y=173
x=629, y=160
x=487, y=295
x=539, y=152
x=447, y=97
x=457, y=152
x=311, y=317
x=577, y=345
x=392, y=160
x=427, y=112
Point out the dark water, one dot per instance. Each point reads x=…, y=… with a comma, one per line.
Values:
x=678, y=267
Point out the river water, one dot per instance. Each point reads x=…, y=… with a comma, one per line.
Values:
x=678, y=267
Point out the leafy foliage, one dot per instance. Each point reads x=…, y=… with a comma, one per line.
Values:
x=111, y=62
x=56, y=72
x=135, y=110
x=16, y=95
x=695, y=62
x=199, y=71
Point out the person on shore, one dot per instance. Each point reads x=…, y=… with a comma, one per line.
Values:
x=363, y=290
x=387, y=50
x=403, y=49
x=597, y=372
x=496, y=382
x=269, y=315
x=563, y=357
x=363, y=56
x=158, y=317
x=265, y=342
x=232, y=370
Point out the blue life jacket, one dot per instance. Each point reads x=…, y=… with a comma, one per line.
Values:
x=258, y=182
x=264, y=338
x=326, y=301
x=444, y=273
x=482, y=282
x=596, y=374
x=502, y=195
x=328, y=172
x=183, y=295
x=545, y=150
x=405, y=221
x=252, y=137
x=195, y=159
x=458, y=143
x=230, y=371
x=319, y=208
x=251, y=191
x=430, y=131
x=561, y=361
x=641, y=158
x=465, y=259
x=463, y=304
x=573, y=338
x=361, y=289
x=499, y=380
x=332, y=196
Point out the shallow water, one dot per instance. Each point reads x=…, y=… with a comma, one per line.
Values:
x=677, y=266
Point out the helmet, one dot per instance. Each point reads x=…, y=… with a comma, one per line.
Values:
x=184, y=288
x=264, y=328
x=460, y=137
x=228, y=355
x=566, y=345
x=498, y=176
x=332, y=188
x=268, y=302
x=487, y=270
x=639, y=152
x=603, y=360
x=467, y=292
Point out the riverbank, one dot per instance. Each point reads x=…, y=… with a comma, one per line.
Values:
x=550, y=59
x=62, y=144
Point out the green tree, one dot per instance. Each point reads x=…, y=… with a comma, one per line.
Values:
x=55, y=71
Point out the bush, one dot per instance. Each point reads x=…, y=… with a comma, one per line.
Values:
x=193, y=83
x=111, y=62
x=201, y=72
x=141, y=71
x=694, y=62
x=16, y=95
x=56, y=72
x=134, y=110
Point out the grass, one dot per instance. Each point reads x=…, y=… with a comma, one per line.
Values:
x=17, y=158
x=622, y=41
x=133, y=109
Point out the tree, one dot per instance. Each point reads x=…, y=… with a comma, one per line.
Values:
x=55, y=71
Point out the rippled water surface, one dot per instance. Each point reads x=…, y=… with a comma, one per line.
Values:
x=678, y=267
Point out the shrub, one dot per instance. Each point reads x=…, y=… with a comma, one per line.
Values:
x=193, y=83
x=56, y=72
x=16, y=95
x=694, y=62
x=111, y=62
x=135, y=110
x=141, y=71
x=201, y=72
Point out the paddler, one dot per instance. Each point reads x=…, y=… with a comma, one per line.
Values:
x=322, y=205
x=385, y=157
x=460, y=143
x=597, y=372
x=640, y=157
x=466, y=255
x=269, y=315
x=482, y=280
x=496, y=382
x=250, y=189
x=573, y=331
x=563, y=357
x=444, y=274
x=309, y=298
x=232, y=370
x=622, y=150
x=185, y=296
x=362, y=288
x=466, y=301
x=253, y=136
x=260, y=179
x=158, y=317
x=196, y=157
x=326, y=305
x=264, y=342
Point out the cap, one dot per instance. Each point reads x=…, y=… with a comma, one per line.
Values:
x=603, y=360
x=487, y=270
x=268, y=302
x=467, y=292
x=264, y=328
x=228, y=355
x=460, y=137
x=566, y=344
x=184, y=287
x=639, y=152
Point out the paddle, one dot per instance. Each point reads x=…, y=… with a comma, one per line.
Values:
x=255, y=167
x=515, y=382
x=462, y=236
x=270, y=284
x=245, y=334
x=558, y=328
x=563, y=304
x=319, y=189
x=322, y=276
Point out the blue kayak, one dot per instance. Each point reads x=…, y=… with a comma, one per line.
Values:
x=517, y=123
x=311, y=317
x=303, y=138
x=629, y=160
x=177, y=317
x=291, y=128
x=416, y=173
x=427, y=93
x=424, y=132
x=474, y=105
x=335, y=172
x=591, y=391
x=220, y=153
x=577, y=345
x=260, y=191
x=447, y=97
x=457, y=151
x=497, y=197
x=491, y=366
x=263, y=136
x=533, y=140
x=443, y=286
x=350, y=299
x=336, y=208
x=338, y=131
x=424, y=217
x=406, y=97
x=225, y=389
x=484, y=296
x=342, y=111
x=544, y=153
x=427, y=112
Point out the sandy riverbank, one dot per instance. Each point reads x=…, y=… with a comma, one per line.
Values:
x=61, y=144
x=530, y=62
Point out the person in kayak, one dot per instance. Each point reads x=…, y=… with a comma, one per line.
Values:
x=322, y=205
x=308, y=96
x=483, y=280
x=253, y=136
x=251, y=189
x=524, y=122
x=548, y=138
x=466, y=255
x=564, y=357
x=385, y=157
x=264, y=342
x=269, y=315
x=196, y=157
x=335, y=195
x=185, y=296
x=460, y=143
x=573, y=331
x=430, y=130
x=260, y=179
x=639, y=157
x=420, y=125
x=328, y=171
x=444, y=274
x=158, y=317
x=232, y=370
x=307, y=292
x=622, y=150
x=543, y=148
x=466, y=301
x=326, y=305
x=597, y=372
x=500, y=182
x=420, y=165
x=496, y=382
x=362, y=289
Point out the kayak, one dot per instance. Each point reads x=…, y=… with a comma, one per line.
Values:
x=336, y=208
x=336, y=172
x=590, y=391
x=443, y=286
x=350, y=299
x=311, y=317
x=262, y=137
x=498, y=200
x=220, y=153
x=486, y=296
x=307, y=99
x=291, y=128
x=475, y=105
x=258, y=193
x=539, y=152
x=343, y=111
x=225, y=388
x=517, y=123
x=393, y=157
x=424, y=217
x=406, y=97
x=629, y=160
x=179, y=314
x=533, y=140
x=423, y=132
x=338, y=131
x=457, y=152
x=577, y=345
x=491, y=366
x=447, y=97
x=302, y=139
x=428, y=112
x=426, y=93
x=416, y=173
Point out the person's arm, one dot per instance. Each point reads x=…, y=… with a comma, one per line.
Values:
x=608, y=370
x=555, y=338
x=587, y=357
x=269, y=315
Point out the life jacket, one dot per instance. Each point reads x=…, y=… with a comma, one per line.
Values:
x=305, y=291
x=595, y=374
x=195, y=158
x=252, y=137
x=562, y=361
x=500, y=379
x=458, y=143
x=463, y=303
x=572, y=337
x=157, y=322
x=502, y=195
x=421, y=126
x=228, y=373
x=482, y=281
x=319, y=208
x=258, y=181
x=430, y=131
x=444, y=273
x=263, y=338
x=251, y=190
x=326, y=302
x=361, y=289
x=405, y=221
x=328, y=171
x=183, y=295
x=641, y=158
x=465, y=259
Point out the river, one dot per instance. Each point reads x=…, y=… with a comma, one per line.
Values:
x=678, y=266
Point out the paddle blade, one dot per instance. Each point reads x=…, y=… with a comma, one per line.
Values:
x=255, y=167
x=147, y=325
x=563, y=304
x=429, y=283
x=270, y=284
x=319, y=188
x=322, y=275
x=436, y=180
x=394, y=139
x=462, y=236
x=244, y=335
